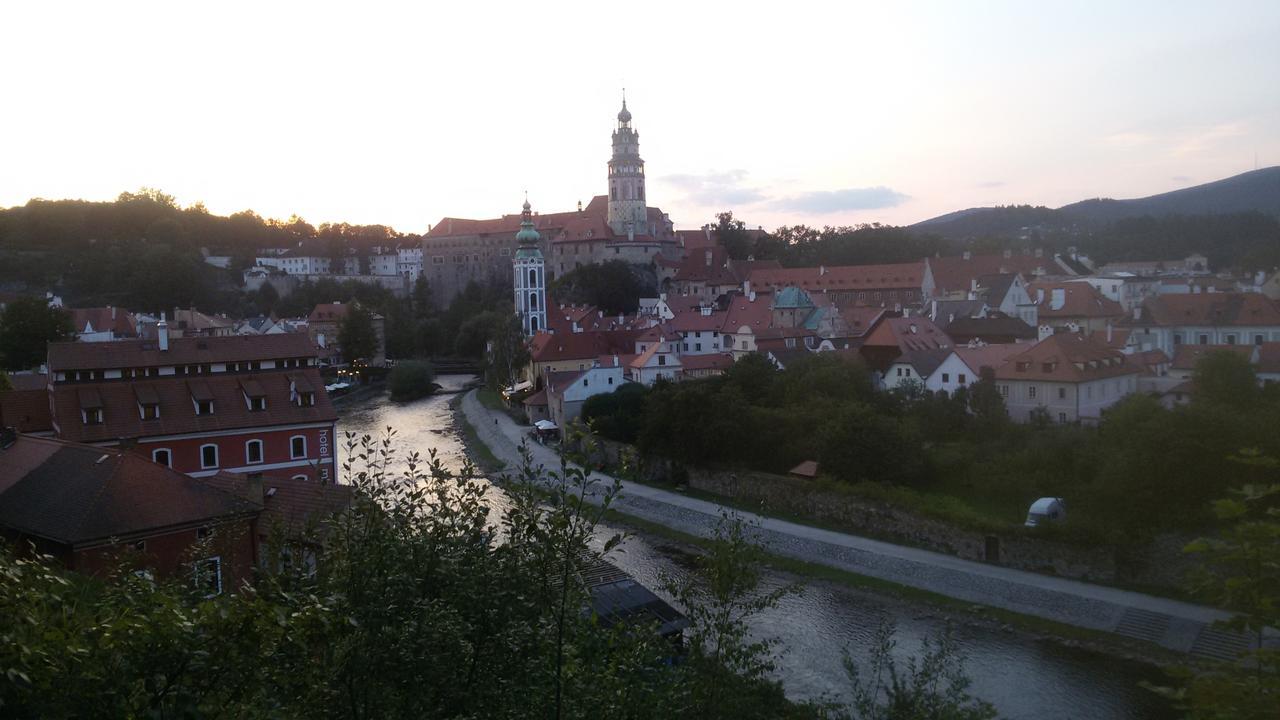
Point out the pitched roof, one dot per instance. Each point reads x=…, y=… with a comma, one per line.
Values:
x=1209, y=309
x=908, y=333
x=1185, y=357
x=842, y=278
x=117, y=320
x=992, y=356
x=1067, y=357
x=554, y=347
x=989, y=329
x=1268, y=358
x=925, y=361
x=956, y=274
x=1078, y=299
x=76, y=494
x=182, y=351
x=294, y=504
x=26, y=411
x=713, y=361
x=121, y=419
x=743, y=312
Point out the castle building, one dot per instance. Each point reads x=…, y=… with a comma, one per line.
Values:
x=619, y=225
x=530, y=276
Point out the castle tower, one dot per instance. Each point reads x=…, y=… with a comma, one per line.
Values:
x=530, y=276
x=627, y=214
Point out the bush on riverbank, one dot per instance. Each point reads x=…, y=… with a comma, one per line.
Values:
x=411, y=379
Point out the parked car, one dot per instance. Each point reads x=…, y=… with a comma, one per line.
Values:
x=1046, y=510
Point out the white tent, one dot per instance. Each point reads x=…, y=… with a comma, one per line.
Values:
x=545, y=425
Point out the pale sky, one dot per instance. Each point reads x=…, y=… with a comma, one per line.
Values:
x=817, y=113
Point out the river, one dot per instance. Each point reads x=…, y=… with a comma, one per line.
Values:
x=1025, y=678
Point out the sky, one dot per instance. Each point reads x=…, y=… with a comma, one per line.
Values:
x=817, y=113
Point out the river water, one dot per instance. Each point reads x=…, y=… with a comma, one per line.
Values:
x=1025, y=678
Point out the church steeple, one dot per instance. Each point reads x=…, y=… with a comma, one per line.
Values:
x=530, y=277
x=627, y=213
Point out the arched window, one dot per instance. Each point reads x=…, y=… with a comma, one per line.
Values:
x=208, y=456
x=300, y=477
x=253, y=452
x=297, y=447
x=533, y=277
x=533, y=325
x=162, y=457
x=533, y=301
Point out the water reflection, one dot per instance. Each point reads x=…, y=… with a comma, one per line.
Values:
x=1022, y=677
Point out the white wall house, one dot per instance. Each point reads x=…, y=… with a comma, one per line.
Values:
x=565, y=398
x=297, y=264
x=1168, y=321
x=659, y=360
x=1071, y=377
x=963, y=366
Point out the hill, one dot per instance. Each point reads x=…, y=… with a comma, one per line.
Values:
x=1254, y=191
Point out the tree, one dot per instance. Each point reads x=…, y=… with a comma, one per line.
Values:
x=933, y=686
x=733, y=236
x=423, y=302
x=411, y=380
x=1226, y=378
x=356, y=335
x=508, y=351
x=27, y=326
x=614, y=286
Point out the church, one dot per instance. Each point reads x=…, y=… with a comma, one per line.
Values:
x=619, y=225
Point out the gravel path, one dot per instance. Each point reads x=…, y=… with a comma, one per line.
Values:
x=1171, y=623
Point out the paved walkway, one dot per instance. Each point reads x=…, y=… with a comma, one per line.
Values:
x=1175, y=625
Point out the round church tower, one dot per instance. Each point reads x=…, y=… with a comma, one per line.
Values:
x=530, y=276
x=627, y=213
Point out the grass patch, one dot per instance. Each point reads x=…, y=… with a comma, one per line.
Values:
x=490, y=398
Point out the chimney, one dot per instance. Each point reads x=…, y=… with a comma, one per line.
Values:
x=967, y=255
x=751, y=297
x=708, y=256
x=113, y=311
x=1008, y=253
x=1108, y=333
x=1043, y=332
x=162, y=334
x=1137, y=312
x=746, y=287
x=320, y=339
x=1039, y=296
x=1039, y=252
x=616, y=361
x=822, y=270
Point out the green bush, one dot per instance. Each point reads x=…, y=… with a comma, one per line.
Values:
x=411, y=379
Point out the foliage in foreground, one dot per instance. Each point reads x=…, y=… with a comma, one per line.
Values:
x=420, y=607
x=410, y=380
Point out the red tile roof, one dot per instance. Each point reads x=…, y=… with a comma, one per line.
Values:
x=102, y=319
x=956, y=274
x=1079, y=300
x=182, y=351
x=80, y=495
x=291, y=504
x=907, y=333
x=1209, y=309
x=25, y=410
x=842, y=278
x=992, y=356
x=1067, y=357
x=714, y=361
x=1268, y=358
x=555, y=347
x=177, y=415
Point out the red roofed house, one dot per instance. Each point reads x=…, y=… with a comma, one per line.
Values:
x=25, y=406
x=1166, y=321
x=1077, y=306
x=964, y=366
x=247, y=404
x=901, y=284
x=568, y=390
x=84, y=505
x=1185, y=357
x=557, y=352
x=896, y=337
x=103, y=324
x=1069, y=376
x=952, y=278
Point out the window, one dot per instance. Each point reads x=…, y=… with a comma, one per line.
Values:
x=1004, y=391
x=1258, y=339
x=306, y=398
x=662, y=359
x=697, y=347
x=1231, y=339
x=1031, y=391
x=162, y=457
x=258, y=404
x=1062, y=393
x=610, y=381
x=150, y=411
x=204, y=532
x=533, y=301
x=1177, y=338
x=586, y=382
x=1204, y=339
x=253, y=452
x=208, y=576
x=300, y=477
x=961, y=378
x=1062, y=418
x=297, y=447
x=533, y=278
x=946, y=377
x=204, y=407
x=208, y=456
x=92, y=416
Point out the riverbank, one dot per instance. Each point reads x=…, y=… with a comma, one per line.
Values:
x=1118, y=617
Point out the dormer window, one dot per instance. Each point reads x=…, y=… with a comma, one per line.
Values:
x=201, y=397
x=148, y=402
x=255, y=398
x=91, y=416
x=90, y=407
x=300, y=391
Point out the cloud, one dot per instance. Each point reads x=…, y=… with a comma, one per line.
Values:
x=1181, y=178
x=1128, y=139
x=829, y=201
x=1206, y=139
x=716, y=189
x=991, y=184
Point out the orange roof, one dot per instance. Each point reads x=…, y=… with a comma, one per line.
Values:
x=842, y=277
x=1185, y=357
x=1079, y=299
x=1067, y=357
x=908, y=333
x=1209, y=309
x=992, y=356
x=956, y=274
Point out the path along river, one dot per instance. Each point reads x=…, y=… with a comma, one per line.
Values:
x=1025, y=678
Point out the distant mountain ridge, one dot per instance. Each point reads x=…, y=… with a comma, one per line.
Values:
x=1256, y=190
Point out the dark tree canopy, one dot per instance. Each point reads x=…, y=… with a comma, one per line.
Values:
x=356, y=335
x=614, y=287
x=27, y=326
